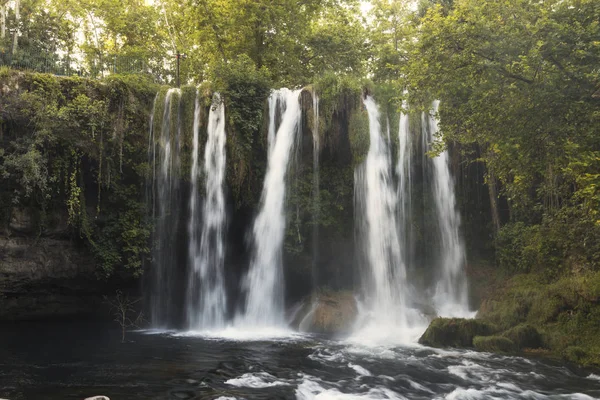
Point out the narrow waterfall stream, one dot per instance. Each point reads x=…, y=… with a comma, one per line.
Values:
x=264, y=285
x=316, y=190
x=167, y=208
x=451, y=296
x=404, y=173
x=207, y=301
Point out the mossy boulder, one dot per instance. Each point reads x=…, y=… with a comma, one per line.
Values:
x=494, y=344
x=455, y=332
x=524, y=336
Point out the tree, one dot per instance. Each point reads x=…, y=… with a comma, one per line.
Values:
x=516, y=80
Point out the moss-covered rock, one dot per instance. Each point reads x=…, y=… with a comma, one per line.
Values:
x=524, y=336
x=494, y=344
x=455, y=332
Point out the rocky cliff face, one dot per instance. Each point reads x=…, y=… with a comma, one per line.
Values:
x=73, y=223
x=46, y=277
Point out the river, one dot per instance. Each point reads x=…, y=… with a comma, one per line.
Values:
x=77, y=360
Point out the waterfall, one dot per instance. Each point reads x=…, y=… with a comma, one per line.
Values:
x=403, y=170
x=376, y=201
x=450, y=297
x=316, y=188
x=264, y=303
x=166, y=211
x=207, y=302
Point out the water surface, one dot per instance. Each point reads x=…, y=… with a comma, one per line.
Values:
x=76, y=360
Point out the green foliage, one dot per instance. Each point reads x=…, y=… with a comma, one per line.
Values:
x=524, y=336
x=70, y=153
x=244, y=88
x=359, y=136
x=517, y=81
x=494, y=344
x=565, y=312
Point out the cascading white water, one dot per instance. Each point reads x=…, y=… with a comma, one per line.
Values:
x=450, y=297
x=375, y=210
x=207, y=301
x=276, y=102
x=316, y=187
x=404, y=172
x=264, y=303
x=166, y=207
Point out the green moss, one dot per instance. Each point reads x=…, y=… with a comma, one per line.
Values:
x=187, y=108
x=359, y=136
x=524, y=336
x=565, y=312
x=575, y=354
x=494, y=344
x=455, y=332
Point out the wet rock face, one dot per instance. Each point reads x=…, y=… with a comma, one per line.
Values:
x=45, y=278
x=330, y=313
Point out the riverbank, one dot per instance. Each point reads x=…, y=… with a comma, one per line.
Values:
x=530, y=314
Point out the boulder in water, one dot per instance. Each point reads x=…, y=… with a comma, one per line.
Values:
x=327, y=312
x=455, y=332
x=97, y=398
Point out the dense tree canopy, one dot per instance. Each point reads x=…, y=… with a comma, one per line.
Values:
x=518, y=80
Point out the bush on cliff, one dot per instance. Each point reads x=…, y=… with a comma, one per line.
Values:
x=524, y=336
x=564, y=312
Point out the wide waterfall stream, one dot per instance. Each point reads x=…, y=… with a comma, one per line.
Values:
x=218, y=334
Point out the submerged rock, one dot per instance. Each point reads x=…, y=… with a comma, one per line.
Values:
x=455, y=332
x=494, y=344
x=327, y=313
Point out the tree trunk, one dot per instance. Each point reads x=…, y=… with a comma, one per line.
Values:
x=17, y=22
x=493, y=192
x=3, y=21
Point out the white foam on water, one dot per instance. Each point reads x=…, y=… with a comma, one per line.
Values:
x=508, y=391
x=310, y=389
x=372, y=330
x=418, y=386
x=244, y=335
x=474, y=372
x=324, y=355
x=359, y=370
x=594, y=377
x=256, y=381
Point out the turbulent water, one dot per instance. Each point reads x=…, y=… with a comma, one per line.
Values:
x=264, y=282
x=207, y=301
x=74, y=361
